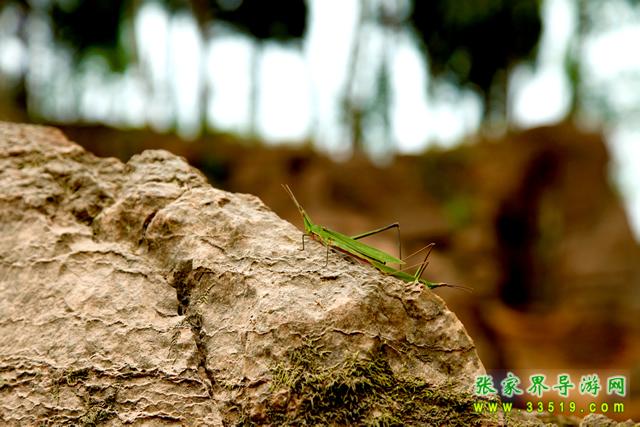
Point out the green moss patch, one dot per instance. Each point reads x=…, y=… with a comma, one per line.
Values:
x=361, y=390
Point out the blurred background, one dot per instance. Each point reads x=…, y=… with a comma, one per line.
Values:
x=506, y=131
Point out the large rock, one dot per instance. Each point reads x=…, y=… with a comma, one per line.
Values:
x=137, y=293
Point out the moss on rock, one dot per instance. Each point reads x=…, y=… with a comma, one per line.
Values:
x=360, y=390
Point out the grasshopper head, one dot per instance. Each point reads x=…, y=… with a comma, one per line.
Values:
x=305, y=217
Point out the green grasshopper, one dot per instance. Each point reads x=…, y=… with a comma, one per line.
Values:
x=342, y=242
x=351, y=246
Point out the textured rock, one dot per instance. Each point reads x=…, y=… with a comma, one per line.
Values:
x=136, y=293
x=599, y=420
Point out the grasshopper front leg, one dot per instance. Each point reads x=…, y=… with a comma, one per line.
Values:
x=326, y=261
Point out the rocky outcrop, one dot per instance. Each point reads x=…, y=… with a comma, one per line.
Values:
x=137, y=293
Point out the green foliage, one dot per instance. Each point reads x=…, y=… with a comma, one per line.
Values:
x=96, y=27
x=91, y=27
x=473, y=42
x=86, y=28
x=459, y=210
x=282, y=20
x=446, y=177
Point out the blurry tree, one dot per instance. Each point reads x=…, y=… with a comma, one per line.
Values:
x=83, y=28
x=471, y=43
x=280, y=20
x=104, y=27
x=594, y=17
x=360, y=111
x=477, y=43
x=92, y=27
x=263, y=21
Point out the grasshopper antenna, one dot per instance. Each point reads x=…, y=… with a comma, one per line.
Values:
x=423, y=267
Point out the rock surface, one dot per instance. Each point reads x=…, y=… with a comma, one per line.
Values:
x=599, y=420
x=137, y=293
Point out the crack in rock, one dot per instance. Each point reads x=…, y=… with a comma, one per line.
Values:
x=184, y=280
